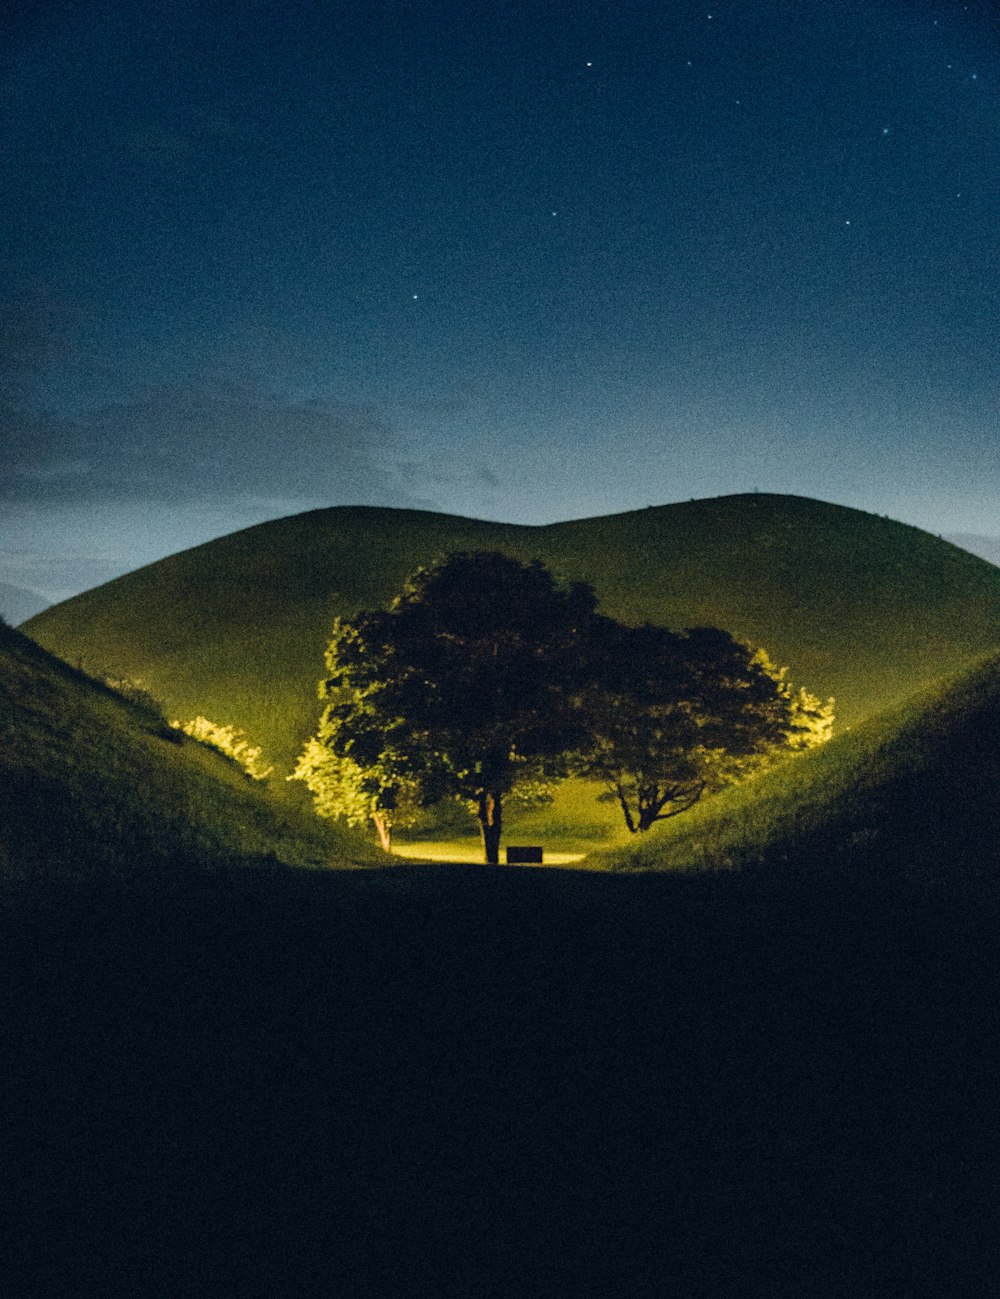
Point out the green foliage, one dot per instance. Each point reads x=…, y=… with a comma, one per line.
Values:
x=343, y=790
x=859, y=607
x=483, y=678
x=464, y=686
x=913, y=794
x=229, y=741
x=675, y=715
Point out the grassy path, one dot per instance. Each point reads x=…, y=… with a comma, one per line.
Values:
x=469, y=852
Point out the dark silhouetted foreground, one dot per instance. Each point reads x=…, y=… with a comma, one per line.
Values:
x=514, y=1082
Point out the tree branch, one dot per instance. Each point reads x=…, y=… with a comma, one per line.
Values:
x=660, y=815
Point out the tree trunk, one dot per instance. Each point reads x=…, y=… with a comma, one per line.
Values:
x=384, y=827
x=623, y=804
x=490, y=815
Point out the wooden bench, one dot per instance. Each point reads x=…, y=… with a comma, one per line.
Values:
x=524, y=856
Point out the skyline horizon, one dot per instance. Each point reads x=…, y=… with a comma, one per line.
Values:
x=527, y=262
x=10, y=576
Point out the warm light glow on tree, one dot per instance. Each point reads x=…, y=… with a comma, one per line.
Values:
x=229, y=740
x=342, y=789
x=466, y=684
x=677, y=715
x=484, y=675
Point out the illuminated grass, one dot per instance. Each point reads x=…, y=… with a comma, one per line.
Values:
x=574, y=824
x=469, y=851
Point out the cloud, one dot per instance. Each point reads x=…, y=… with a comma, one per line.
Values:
x=211, y=439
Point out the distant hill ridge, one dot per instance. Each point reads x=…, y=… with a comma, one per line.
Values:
x=17, y=604
x=986, y=547
x=858, y=606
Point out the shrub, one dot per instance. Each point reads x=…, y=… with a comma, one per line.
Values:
x=227, y=740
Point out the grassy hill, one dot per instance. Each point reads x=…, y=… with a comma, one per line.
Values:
x=94, y=782
x=910, y=796
x=454, y=1081
x=857, y=606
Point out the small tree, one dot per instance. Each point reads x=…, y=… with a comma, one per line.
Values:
x=466, y=684
x=673, y=715
x=342, y=789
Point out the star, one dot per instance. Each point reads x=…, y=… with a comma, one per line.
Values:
x=885, y=130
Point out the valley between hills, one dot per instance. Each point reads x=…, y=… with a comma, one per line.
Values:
x=875, y=613
x=751, y=1052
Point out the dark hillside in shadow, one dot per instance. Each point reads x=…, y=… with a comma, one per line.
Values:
x=92, y=782
x=469, y=1081
x=460, y=1081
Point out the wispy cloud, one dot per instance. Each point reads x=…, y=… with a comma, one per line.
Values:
x=208, y=438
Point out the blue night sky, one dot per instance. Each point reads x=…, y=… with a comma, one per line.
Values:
x=527, y=261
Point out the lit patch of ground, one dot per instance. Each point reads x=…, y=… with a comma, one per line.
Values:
x=468, y=851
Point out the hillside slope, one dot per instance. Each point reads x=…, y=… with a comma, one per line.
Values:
x=858, y=606
x=91, y=782
x=912, y=795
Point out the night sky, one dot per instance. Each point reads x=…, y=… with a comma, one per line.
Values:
x=526, y=261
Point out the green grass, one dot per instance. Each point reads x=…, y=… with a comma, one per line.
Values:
x=93, y=782
x=857, y=606
x=587, y=1077
x=575, y=823
x=913, y=794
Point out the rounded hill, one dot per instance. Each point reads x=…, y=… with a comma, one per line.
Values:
x=858, y=606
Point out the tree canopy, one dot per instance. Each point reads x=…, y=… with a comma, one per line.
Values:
x=673, y=715
x=485, y=673
x=378, y=793
x=467, y=683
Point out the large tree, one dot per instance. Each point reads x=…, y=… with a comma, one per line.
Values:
x=467, y=684
x=674, y=715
